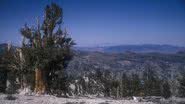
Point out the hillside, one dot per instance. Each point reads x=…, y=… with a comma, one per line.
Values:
x=127, y=62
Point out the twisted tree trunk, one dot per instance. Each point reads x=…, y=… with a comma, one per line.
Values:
x=40, y=82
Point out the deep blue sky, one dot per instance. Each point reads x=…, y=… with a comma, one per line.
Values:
x=102, y=22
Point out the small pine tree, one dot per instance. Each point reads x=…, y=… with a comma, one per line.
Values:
x=107, y=83
x=151, y=82
x=9, y=73
x=135, y=84
x=125, y=82
x=115, y=88
x=165, y=92
x=182, y=84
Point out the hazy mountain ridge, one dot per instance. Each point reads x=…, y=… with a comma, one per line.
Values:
x=146, y=48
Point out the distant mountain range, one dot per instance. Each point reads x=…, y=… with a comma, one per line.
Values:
x=146, y=48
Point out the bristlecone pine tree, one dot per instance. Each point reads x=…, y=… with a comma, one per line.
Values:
x=46, y=48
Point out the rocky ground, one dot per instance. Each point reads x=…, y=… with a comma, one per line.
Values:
x=46, y=99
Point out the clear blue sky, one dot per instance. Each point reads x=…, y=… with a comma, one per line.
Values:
x=100, y=22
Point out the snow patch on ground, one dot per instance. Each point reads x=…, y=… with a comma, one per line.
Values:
x=47, y=99
x=25, y=91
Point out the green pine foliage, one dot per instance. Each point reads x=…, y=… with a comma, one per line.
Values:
x=166, y=93
x=182, y=84
x=151, y=82
x=46, y=46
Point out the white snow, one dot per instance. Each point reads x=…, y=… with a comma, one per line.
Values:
x=72, y=86
x=25, y=91
x=86, y=79
x=135, y=99
x=22, y=99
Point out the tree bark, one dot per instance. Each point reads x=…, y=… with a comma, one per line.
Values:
x=40, y=82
